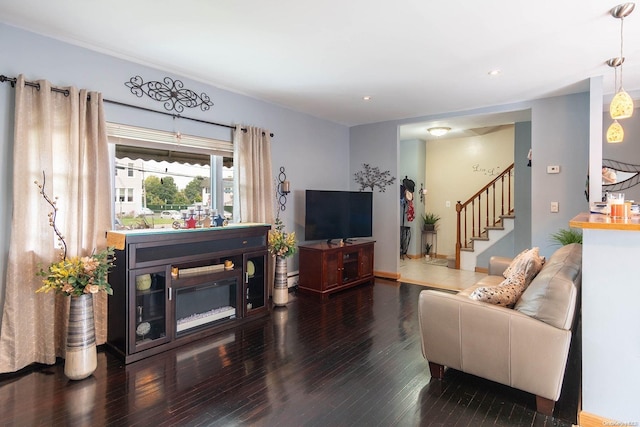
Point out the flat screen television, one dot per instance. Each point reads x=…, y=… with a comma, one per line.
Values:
x=338, y=215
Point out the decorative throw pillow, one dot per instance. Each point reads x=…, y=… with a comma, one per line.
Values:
x=506, y=294
x=517, y=263
x=528, y=262
x=534, y=265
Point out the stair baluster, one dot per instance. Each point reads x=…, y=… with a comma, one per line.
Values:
x=464, y=242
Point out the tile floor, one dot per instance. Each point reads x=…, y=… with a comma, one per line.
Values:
x=419, y=272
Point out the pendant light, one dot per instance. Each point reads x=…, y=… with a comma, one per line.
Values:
x=615, y=132
x=621, y=106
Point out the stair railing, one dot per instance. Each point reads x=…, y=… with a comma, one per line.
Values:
x=483, y=211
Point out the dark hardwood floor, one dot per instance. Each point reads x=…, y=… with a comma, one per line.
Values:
x=354, y=360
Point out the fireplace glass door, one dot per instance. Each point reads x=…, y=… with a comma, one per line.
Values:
x=206, y=304
x=255, y=282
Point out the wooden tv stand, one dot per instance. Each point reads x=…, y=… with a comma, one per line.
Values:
x=327, y=268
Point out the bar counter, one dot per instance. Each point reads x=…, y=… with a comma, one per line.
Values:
x=610, y=322
x=605, y=222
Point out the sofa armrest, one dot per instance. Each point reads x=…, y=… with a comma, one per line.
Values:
x=498, y=264
x=493, y=342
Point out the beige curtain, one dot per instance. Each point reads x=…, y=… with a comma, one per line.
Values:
x=252, y=159
x=64, y=136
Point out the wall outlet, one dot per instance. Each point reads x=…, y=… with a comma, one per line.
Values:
x=553, y=169
x=554, y=207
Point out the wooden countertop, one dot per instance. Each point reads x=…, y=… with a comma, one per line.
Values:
x=605, y=222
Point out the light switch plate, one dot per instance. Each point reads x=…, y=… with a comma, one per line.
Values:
x=554, y=207
x=553, y=169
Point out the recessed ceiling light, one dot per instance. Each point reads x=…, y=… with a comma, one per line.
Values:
x=366, y=98
x=438, y=131
x=495, y=72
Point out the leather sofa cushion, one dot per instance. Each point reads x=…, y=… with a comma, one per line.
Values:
x=552, y=295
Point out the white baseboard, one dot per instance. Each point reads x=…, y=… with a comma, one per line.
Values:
x=292, y=279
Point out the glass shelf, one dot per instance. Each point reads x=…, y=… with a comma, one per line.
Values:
x=255, y=290
x=150, y=308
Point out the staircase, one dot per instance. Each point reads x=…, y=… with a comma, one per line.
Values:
x=468, y=257
x=484, y=219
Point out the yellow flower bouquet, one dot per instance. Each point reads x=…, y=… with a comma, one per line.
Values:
x=281, y=243
x=79, y=275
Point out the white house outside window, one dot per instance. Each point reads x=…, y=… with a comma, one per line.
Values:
x=167, y=173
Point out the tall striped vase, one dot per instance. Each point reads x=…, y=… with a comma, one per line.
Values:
x=81, y=358
x=280, y=288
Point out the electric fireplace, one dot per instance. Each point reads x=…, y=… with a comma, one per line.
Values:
x=205, y=304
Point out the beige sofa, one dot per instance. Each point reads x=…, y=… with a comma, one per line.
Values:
x=525, y=347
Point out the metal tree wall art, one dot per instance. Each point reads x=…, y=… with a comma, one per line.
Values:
x=371, y=177
x=171, y=92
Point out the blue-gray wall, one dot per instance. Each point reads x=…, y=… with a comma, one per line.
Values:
x=503, y=247
x=559, y=136
x=314, y=152
x=377, y=145
x=522, y=176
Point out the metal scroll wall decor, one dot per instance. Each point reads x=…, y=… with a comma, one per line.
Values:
x=628, y=175
x=372, y=177
x=171, y=92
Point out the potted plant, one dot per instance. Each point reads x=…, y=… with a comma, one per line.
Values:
x=566, y=236
x=427, y=250
x=429, y=221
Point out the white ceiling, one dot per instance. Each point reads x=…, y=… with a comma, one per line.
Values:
x=413, y=57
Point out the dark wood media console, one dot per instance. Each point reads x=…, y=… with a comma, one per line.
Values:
x=326, y=268
x=171, y=287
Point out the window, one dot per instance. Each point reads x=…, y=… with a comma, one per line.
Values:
x=168, y=172
x=124, y=194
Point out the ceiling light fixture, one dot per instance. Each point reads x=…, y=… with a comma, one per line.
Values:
x=366, y=98
x=438, y=131
x=495, y=72
x=615, y=133
x=621, y=106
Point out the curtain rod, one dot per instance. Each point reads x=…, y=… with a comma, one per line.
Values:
x=65, y=92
